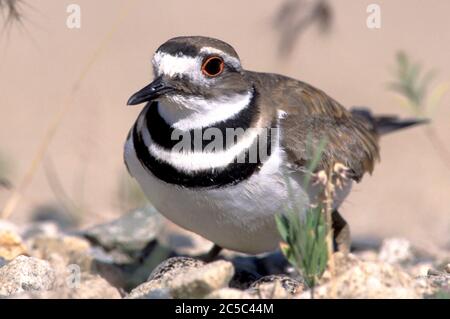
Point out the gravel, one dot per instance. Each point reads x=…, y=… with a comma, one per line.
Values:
x=124, y=259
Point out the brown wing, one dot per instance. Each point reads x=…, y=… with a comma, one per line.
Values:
x=312, y=116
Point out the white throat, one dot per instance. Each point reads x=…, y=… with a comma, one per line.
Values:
x=187, y=113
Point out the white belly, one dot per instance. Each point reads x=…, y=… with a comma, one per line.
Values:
x=238, y=217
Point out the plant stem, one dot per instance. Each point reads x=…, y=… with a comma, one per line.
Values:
x=52, y=128
x=329, y=195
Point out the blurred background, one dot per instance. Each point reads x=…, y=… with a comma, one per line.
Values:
x=63, y=94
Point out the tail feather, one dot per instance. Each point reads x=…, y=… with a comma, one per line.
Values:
x=385, y=124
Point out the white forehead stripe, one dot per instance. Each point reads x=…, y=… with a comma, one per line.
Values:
x=171, y=65
x=179, y=64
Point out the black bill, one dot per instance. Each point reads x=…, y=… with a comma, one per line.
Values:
x=150, y=92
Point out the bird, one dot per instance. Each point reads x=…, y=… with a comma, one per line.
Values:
x=226, y=193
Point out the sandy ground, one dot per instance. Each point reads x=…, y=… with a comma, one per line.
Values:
x=409, y=193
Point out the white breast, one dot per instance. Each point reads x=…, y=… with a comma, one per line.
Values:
x=238, y=217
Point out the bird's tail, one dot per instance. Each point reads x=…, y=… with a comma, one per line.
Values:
x=385, y=124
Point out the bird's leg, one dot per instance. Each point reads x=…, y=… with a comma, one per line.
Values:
x=211, y=254
x=341, y=233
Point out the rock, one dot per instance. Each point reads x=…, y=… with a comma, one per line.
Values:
x=368, y=280
x=26, y=274
x=150, y=290
x=343, y=262
x=291, y=286
x=420, y=269
x=423, y=286
x=447, y=268
x=64, y=252
x=367, y=255
x=181, y=241
x=438, y=279
x=161, y=277
x=2, y=262
x=197, y=283
x=172, y=267
x=89, y=287
x=125, y=250
x=8, y=226
x=73, y=250
x=270, y=290
x=162, y=293
x=11, y=245
x=395, y=251
x=46, y=228
x=433, y=283
x=230, y=293
x=129, y=234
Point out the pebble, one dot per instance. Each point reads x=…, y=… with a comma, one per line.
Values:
x=368, y=280
x=197, y=283
x=395, y=251
x=271, y=290
x=72, y=249
x=174, y=266
x=89, y=287
x=230, y=293
x=26, y=274
x=160, y=278
x=129, y=234
x=11, y=245
x=290, y=285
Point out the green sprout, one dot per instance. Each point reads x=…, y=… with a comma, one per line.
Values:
x=305, y=243
x=412, y=84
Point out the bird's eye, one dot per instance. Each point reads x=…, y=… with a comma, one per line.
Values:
x=213, y=66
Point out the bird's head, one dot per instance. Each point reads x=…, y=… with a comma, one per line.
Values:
x=195, y=72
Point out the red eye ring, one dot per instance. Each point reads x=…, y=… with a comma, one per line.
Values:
x=213, y=66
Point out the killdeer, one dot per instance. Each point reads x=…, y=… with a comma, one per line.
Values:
x=200, y=85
